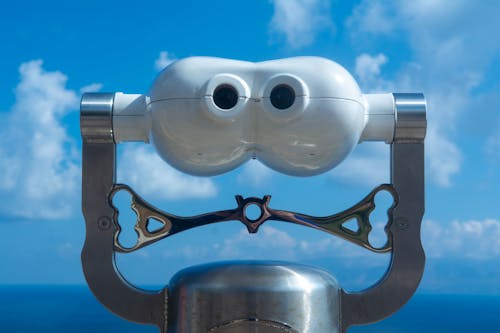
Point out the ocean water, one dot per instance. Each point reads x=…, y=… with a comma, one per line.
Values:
x=73, y=309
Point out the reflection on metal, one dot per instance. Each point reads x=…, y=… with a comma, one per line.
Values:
x=411, y=124
x=253, y=325
x=96, y=118
x=253, y=297
x=332, y=224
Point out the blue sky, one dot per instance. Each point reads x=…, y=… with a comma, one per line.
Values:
x=52, y=51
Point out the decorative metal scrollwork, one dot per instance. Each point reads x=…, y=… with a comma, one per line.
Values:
x=333, y=224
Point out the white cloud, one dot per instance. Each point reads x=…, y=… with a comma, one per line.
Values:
x=164, y=59
x=473, y=239
x=371, y=16
x=368, y=69
x=243, y=245
x=445, y=158
x=385, y=17
x=39, y=162
x=300, y=20
x=142, y=168
x=276, y=244
x=368, y=66
x=432, y=10
x=93, y=87
x=368, y=165
x=254, y=174
x=268, y=239
x=451, y=51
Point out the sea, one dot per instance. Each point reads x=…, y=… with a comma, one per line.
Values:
x=73, y=309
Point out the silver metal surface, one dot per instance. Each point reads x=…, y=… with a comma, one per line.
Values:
x=411, y=123
x=249, y=297
x=333, y=224
x=98, y=257
x=96, y=117
x=407, y=258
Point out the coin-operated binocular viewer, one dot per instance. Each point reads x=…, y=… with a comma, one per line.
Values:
x=300, y=116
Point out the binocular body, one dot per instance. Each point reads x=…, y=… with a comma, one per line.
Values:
x=282, y=112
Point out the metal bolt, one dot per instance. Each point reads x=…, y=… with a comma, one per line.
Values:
x=104, y=223
x=402, y=224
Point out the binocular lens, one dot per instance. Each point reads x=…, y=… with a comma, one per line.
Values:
x=282, y=96
x=225, y=96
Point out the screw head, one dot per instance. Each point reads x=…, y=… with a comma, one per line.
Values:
x=402, y=224
x=104, y=223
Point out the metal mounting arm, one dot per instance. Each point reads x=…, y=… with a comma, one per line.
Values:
x=98, y=255
x=403, y=276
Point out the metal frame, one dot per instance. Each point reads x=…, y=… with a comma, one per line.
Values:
x=333, y=224
x=379, y=301
x=98, y=253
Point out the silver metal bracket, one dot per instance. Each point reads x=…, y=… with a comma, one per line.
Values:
x=406, y=267
x=98, y=254
x=379, y=301
x=333, y=224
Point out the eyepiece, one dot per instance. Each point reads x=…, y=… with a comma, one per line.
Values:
x=282, y=96
x=225, y=96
